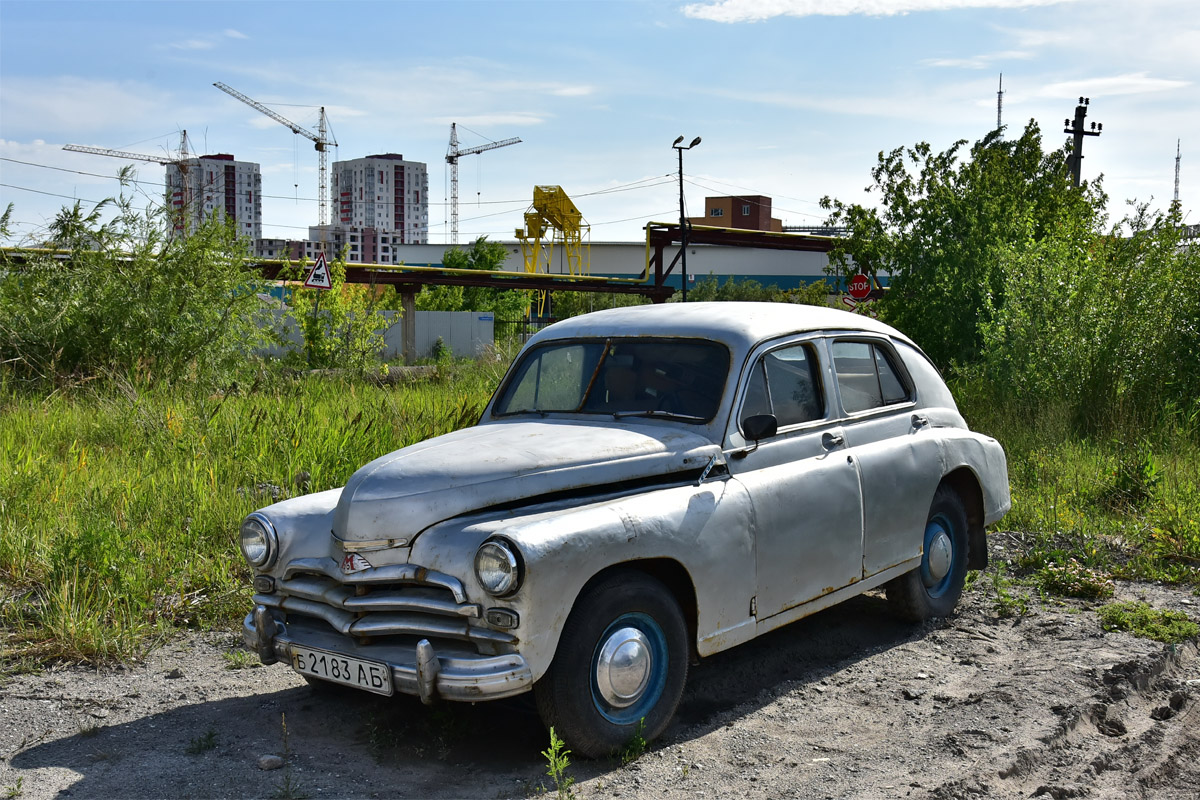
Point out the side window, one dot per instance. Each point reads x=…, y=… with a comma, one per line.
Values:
x=866, y=376
x=786, y=383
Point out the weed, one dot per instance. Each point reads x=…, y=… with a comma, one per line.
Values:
x=1072, y=579
x=14, y=790
x=557, y=762
x=204, y=743
x=240, y=659
x=1010, y=601
x=635, y=748
x=381, y=737
x=288, y=787
x=1147, y=622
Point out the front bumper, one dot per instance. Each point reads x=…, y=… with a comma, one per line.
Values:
x=423, y=672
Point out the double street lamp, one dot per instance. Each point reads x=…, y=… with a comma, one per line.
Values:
x=683, y=223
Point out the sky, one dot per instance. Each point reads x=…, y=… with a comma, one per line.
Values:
x=793, y=99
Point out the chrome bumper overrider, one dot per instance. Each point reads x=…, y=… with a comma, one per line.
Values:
x=424, y=673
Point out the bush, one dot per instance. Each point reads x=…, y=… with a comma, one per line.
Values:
x=128, y=297
x=339, y=325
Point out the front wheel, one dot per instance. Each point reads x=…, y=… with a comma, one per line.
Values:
x=933, y=588
x=621, y=662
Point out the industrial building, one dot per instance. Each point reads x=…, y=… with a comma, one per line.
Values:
x=746, y=212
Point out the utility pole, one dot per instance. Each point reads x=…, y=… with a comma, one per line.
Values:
x=684, y=225
x=1075, y=160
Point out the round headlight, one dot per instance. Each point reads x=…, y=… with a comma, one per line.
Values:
x=258, y=540
x=498, y=567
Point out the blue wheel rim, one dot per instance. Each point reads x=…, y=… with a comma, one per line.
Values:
x=937, y=527
x=650, y=696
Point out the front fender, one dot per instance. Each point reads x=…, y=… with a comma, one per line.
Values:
x=303, y=526
x=706, y=529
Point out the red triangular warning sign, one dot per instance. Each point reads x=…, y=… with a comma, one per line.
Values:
x=319, y=277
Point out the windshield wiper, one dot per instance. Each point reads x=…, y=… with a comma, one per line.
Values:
x=659, y=414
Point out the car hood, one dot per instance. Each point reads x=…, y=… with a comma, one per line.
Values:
x=400, y=494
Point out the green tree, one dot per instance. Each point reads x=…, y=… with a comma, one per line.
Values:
x=710, y=289
x=128, y=296
x=1006, y=274
x=340, y=326
x=944, y=223
x=482, y=255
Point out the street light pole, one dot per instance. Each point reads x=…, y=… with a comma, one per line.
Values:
x=683, y=223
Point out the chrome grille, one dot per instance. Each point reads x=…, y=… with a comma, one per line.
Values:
x=402, y=600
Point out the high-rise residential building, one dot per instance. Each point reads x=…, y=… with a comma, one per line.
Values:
x=199, y=188
x=384, y=193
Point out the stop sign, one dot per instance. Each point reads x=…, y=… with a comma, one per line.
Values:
x=860, y=287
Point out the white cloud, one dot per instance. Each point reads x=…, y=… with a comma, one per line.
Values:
x=759, y=10
x=1131, y=83
x=983, y=61
x=70, y=106
x=572, y=91
x=1035, y=39
x=192, y=44
x=520, y=118
x=235, y=34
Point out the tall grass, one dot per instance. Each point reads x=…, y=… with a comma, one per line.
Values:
x=119, y=505
x=1124, y=500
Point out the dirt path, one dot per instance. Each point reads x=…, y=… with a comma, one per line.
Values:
x=848, y=703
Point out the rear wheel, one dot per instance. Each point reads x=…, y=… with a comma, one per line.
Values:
x=934, y=587
x=621, y=662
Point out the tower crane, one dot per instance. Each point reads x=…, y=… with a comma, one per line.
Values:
x=452, y=156
x=180, y=161
x=320, y=139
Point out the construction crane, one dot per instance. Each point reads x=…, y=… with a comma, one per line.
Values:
x=180, y=161
x=320, y=139
x=452, y=156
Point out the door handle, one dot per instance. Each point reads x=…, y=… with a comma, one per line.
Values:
x=919, y=420
x=831, y=440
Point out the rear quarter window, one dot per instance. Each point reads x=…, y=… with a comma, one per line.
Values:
x=867, y=376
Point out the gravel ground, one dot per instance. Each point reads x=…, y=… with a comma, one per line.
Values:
x=847, y=703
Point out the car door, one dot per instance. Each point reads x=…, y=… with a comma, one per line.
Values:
x=891, y=443
x=807, y=519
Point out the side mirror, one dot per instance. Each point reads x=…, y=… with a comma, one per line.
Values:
x=760, y=426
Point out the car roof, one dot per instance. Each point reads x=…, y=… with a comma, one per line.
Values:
x=739, y=325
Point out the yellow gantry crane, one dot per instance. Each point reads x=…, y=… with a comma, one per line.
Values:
x=321, y=141
x=553, y=219
x=452, y=156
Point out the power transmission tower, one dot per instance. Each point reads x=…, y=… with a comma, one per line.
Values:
x=1075, y=161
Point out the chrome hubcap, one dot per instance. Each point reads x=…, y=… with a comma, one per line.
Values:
x=939, y=557
x=623, y=667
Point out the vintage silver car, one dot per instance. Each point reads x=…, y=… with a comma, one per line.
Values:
x=648, y=486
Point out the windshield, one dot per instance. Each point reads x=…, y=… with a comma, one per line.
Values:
x=675, y=378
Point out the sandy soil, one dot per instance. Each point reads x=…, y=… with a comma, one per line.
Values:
x=847, y=703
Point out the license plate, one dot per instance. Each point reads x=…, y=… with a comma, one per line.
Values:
x=369, y=675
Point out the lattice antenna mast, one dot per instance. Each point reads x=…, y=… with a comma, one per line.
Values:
x=1177, y=155
x=1000, y=103
x=452, y=155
